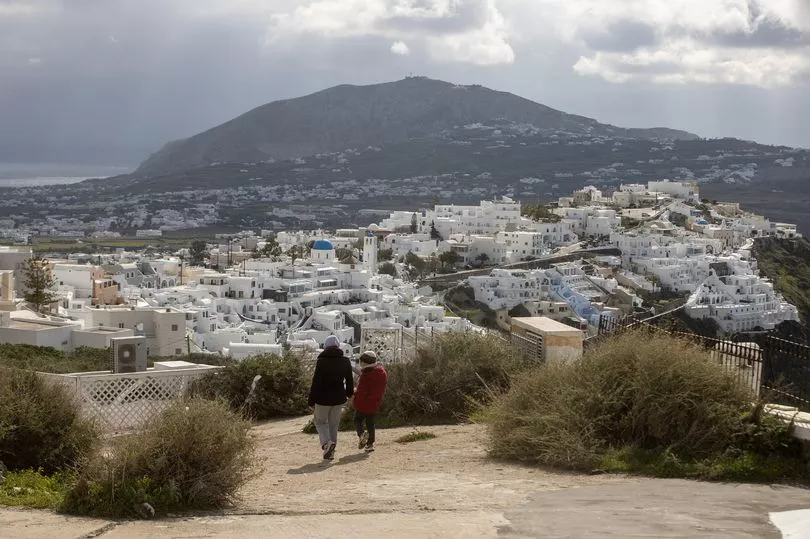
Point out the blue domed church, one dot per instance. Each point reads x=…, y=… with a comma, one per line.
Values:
x=323, y=252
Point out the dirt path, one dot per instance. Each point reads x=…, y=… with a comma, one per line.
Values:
x=448, y=473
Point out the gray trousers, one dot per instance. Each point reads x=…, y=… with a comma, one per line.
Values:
x=327, y=421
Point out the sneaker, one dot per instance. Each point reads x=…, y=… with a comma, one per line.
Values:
x=329, y=454
x=369, y=448
x=363, y=441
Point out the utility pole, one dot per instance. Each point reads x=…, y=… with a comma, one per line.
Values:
x=188, y=345
x=181, y=270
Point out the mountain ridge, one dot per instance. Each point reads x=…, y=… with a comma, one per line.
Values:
x=352, y=116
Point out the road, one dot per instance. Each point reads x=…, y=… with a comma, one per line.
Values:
x=563, y=254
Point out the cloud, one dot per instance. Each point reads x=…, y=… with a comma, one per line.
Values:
x=400, y=48
x=134, y=73
x=762, y=43
x=469, y=31
x=621, y=36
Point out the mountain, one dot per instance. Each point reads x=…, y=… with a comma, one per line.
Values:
x=348, y=116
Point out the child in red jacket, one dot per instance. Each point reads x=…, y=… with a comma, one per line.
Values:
x=368, y=397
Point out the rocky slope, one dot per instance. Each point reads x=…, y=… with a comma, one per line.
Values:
x=359, y=116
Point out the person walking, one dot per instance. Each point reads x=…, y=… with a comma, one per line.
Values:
x=332, y=386
x=368, y=398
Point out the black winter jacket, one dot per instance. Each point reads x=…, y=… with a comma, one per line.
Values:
x=333, y=381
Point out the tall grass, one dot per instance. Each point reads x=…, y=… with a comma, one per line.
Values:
x=636, y=394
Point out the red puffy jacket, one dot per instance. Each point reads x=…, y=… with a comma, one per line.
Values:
x=370, y=389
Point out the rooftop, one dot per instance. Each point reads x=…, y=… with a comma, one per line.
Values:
x=542, y=324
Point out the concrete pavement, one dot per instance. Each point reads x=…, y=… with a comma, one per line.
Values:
x=635, y=508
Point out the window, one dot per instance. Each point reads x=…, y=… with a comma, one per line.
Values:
x=174, y=327
x=178, y=351
x=121, y=325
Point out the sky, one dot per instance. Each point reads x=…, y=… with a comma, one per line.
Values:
x=110, y=81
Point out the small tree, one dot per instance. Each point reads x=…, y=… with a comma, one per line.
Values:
x=414, y=224
x=482, y=259
x=417, y=265
x=342, y=253
x=40, y=284
x=196, y=252
x=449, y=259
x=434, y=233
x=387, y=268
x=271, y=248
x=385, y=254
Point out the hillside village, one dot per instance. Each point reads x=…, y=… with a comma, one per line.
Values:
x=584, y=259
x=357, y=186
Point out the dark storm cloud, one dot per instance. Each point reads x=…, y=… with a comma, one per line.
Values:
x=766, y=33
x=132, y=75
x=112, y=80
x=621, y=36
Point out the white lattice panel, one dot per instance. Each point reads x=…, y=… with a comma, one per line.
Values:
x=125, y=402
x=385, y=342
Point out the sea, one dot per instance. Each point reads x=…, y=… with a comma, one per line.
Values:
x=38, y=174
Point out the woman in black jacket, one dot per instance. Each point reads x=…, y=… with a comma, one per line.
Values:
x=332, y=386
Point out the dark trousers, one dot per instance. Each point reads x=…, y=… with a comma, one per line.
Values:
x=368, y=419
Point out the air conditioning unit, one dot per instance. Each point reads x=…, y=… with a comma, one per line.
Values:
x=129, y=354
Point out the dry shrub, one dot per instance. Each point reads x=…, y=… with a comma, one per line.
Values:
x=450, y=378
x=40, y=424
x=195, y=455
x=282, y=390
x=649, y=393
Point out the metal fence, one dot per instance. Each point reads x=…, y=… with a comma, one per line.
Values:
x=770, y=366
x=125, y=402
x=787, y=371
x=529, y=346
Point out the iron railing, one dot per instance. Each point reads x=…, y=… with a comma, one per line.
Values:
x=773, y=368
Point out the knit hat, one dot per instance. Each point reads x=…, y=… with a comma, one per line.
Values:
x=331, y=342
x=368, y=357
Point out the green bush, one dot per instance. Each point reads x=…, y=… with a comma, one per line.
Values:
x=40, y=424
x=31, y=488
x=451, y=378
x=46, y=359
x=282, y=390
x=195, y=455
x=638, y=394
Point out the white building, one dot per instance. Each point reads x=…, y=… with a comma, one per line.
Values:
x=489, y=217
x=15, y=259
x=164, y=328
x=739, y=300
x=370, y=253
x=681, y=190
